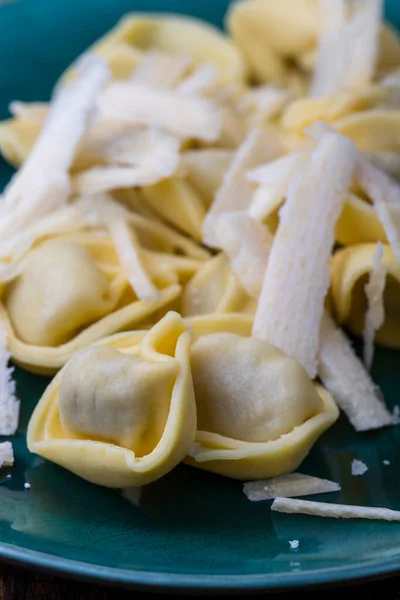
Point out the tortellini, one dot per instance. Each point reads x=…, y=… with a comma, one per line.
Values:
x=216, y=289
x=121, y=418
x=72, y=291
x=349, y=274
x=142, y=32
x=258, y=412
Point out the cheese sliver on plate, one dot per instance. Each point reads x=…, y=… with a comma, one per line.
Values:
x=128, y=252
x=9, y=405
x=375, y=314
x=385, y=194
x=294, y=484
x=247, y=244
x=236, y=192
x=335, y=511
x=345, y=377
x=296, y=280
x=180, y=114
x=161, y=69
x=6, y=454
x=274, y=178
x=42, y=183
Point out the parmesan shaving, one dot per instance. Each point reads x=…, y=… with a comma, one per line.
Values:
x=345, y=377
x=375, y=314
x=180, y=114
x=385, y=194
x=274, y=178
x=348, y=47
x=128, y=251
x=247, y=244
x=154, y=156
x=9, y=405
x=358, y=467
x=263, y=104
x=161, y=69
x=294, y=484
x=30, y=111
x=42, y=183
x=236, y=192
x=336, y=511
x=296, y=280
x=202, y=82
x=6, y=454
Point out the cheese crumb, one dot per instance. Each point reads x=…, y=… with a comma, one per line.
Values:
x=294, y=544
x=386, y=462
x=9, y=405
x=358, y=467
x=6, y=455
x=27, y=486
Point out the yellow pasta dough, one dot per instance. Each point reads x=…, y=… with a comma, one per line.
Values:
x=76, y=424
x=73, y=291
x=258, y=412
x=349, y=274
x=216, y=289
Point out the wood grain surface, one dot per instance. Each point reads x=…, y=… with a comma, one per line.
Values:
x=17, y=583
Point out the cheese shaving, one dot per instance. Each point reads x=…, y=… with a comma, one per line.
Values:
x=128, y=251
x=274, y=178
x=296, y=280
x=358, y=467
x=236, y=192
x=345, y=377
x=294, y=484
x=42, y=183
x=375, y=314
x=161, y=69
x=336, y=511
x=154, y=156
x=247, y=244
x=6, y=454
x=9, y=405
x=202, y=82
x=180, y=114
x=30, y=111
x=348, y=47
x=263, y=104
x=385, y=194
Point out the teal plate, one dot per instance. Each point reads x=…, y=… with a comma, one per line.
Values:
x=190, y=530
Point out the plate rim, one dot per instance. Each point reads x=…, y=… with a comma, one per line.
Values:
x=360, y=572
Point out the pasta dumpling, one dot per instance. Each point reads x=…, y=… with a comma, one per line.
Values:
x=258, y=412
x=350, y=270
x=60, y=290
x=121, y=418
x=216, y=289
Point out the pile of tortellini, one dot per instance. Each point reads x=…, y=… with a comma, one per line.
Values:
x=115, y=289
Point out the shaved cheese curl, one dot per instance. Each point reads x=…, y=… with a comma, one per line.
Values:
x=346, y=378
x=375, y=315
x=335, y=511
x=297, y=277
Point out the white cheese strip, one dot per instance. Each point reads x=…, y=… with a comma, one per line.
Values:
x=161, y=69
x=385, y=194
x=294, y=484
x=182, y=115
x=9, y=405
x=202, y=82
x=128, y=251
x=247, y=244
x=263, y=104
x=345, y=377
x=375, y=314
x=274, y=178
x=6, y=454
x=42, y=183
x=336, y=511
x=236, y=192
x=297, y=277
x=348, y=47
x=332, y=48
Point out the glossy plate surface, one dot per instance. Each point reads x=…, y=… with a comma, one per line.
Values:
x=191, y=529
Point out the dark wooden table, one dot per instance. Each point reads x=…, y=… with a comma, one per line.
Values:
x=17, y=583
